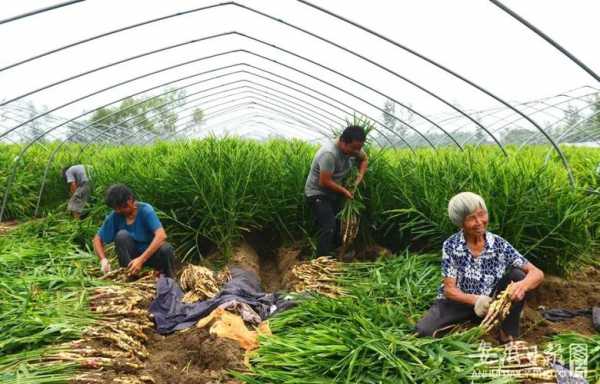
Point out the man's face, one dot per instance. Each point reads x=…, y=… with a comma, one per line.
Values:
x=352, y=147
x=126, y=209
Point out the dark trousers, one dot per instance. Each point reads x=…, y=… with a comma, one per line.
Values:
x=325, y=210
x=162, y=260
x=446, y=312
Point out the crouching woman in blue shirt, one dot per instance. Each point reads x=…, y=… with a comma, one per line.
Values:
x=476, y=264
x=140, y=239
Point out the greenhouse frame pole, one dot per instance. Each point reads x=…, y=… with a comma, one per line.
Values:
x=38, y=11
x=456, y=75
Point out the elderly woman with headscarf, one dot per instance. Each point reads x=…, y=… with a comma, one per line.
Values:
x=476, y=265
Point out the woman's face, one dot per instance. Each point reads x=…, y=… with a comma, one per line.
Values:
x=476, y=223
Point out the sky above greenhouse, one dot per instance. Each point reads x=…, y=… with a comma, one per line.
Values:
x=474, y=38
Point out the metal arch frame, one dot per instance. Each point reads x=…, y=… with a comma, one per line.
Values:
x=20, y=134
x=271, y=99
x=594, y=139
x=56, y=119
x=326, y=96
x=112, y=32
x=387, y=39
x=486, y=113
x=165, y=69
x=547, y=38
x=41, y=10
x=14, y=167
x=231, y=109
x=263, y=14
x=286, y=86
x=251, y=82
x=137, y=77
x=194, y=106
x=321, y=100
x=242, y=106
x=456, y=75
x=223, y=85
x=252, y=115
x=497, y=110
x=564, y=118
x=288, y=124
x=534, y=111
x=253, y=123
x=354, y=81
x=235, y=33
x=548, y=106
x=93, y=124
x=381, y=66
x=335, y=87
x=580, y=122
x=177, y=65
x=255, y=112
x=18, y=114
x=301, y=115
x=122, y=61
x=174, y=90
x=228, y=110
x=255, y=115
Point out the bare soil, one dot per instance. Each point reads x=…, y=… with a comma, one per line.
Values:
x=581, y=290
x=6, y=226
x=193, y=356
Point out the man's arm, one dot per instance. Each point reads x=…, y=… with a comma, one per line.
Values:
x=159, y=239
x=99, y=247
x=362, y=169
x=326, y=181
x=72, y=187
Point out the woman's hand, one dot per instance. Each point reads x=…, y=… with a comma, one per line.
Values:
x=518, y=291
x=482, y=305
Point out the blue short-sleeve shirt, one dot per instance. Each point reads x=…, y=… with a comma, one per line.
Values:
x=141, y=230
x=478, y=275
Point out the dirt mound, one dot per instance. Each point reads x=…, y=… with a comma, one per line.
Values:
x=570, y=293
x=265, y=257
x=6, y=226
x=372, y=253
x=288, y=256
x=581, y=290
x=193, y=356
x=536, y=329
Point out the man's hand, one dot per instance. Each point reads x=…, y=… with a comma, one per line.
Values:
x=135, y=266
x=482, y=305
x=518, y=291
x=105, y=265
x=359, y=179
x=347, y=194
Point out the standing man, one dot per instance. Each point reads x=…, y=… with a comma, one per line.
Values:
x=79, y=188
x=137, y=232
x=323, y=189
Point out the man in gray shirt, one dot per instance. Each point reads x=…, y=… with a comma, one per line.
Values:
x=79, y=188
x=323, y=189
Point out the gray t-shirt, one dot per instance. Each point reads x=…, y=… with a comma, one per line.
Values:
x=329, y=158
x=76, y=174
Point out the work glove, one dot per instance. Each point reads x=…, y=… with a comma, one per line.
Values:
x=105, y=265
x=482, y=305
